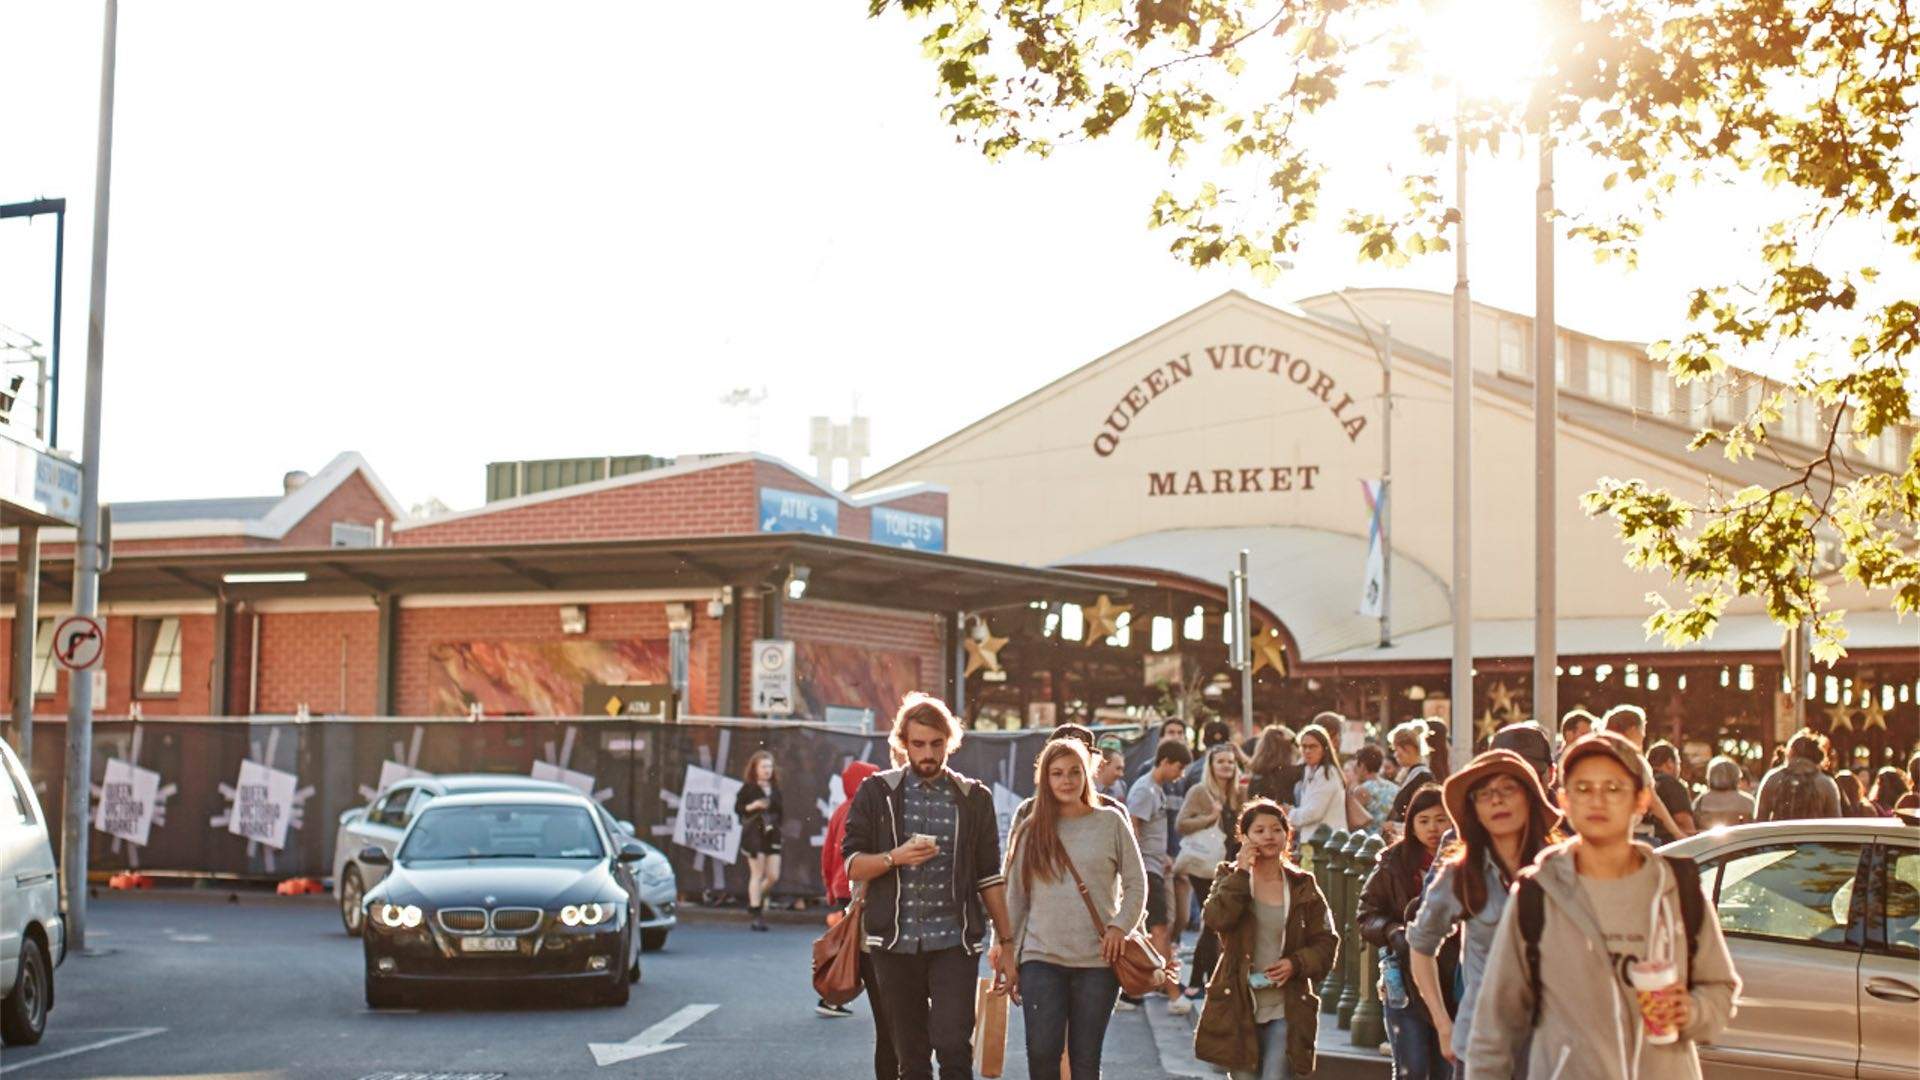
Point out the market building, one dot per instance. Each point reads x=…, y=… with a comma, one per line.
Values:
x=1248, y=425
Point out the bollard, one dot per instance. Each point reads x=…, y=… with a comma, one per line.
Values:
x=1351, y=947
x=1334, y=888
x=1369, y=1022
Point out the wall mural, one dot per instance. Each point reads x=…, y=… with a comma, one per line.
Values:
x=535, y=678
x=855, y=677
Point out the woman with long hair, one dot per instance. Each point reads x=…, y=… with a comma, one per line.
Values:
x=1501, y=820
x=1889, y=787
x=1320, y=796
x=1849, y=785
x=1276, y=941
x=1275, y=767
x=1206, y=819
x=1388, y=902
x=758, y=808
x=1070, y=852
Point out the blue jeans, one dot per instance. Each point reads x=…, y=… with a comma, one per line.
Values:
x=1273, y=1054
x=1066, y=1009
x=1416, y=1045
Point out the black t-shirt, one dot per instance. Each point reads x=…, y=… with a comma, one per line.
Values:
x=1672, y=793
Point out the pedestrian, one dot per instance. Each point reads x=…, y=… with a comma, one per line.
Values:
x=1212, y=734
x=1409, y=743
x=1671, y=791
x=1799, y=788
x=1275, y=769
x=1320, y=797
x=1388, y=901
x=1261, y=1015
x=1175, y=791
x=1849, y=787
x=1723, y=803
x=1214, y=800
x=1376, y=792
x=1147, y=805
x=1911, y=800
x=1057, y=966
x=1111, y=775
x=1574, y=726
x=1501, y=821
x=1607, y=962
x=1439, y=749
x=1083, y=736
x=1889, y=787
x=926, y=840
x=1630, y=723
x=758, y=807
x=833, y=872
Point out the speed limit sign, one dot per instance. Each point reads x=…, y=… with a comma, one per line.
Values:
x=78, y=642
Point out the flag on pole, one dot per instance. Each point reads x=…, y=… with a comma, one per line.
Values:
x=1374, y=584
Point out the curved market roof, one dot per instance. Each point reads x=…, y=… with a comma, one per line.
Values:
x=1310, y=579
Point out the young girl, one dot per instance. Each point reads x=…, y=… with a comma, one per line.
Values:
x=1276, y=941
x=1320, y=798
x=1612, y=987
x=1057, y=962
x=1386, y=901
x=1500, y=820
x=758, y=807
x=1206, y=819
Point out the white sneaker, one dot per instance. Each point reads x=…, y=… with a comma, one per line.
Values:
x=1180, y=1006
x=1123, y=1005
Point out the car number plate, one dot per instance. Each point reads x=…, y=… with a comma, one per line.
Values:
x=489, y=944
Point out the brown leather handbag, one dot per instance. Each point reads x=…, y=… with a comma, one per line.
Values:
x=836, y=955
x=1141, y=969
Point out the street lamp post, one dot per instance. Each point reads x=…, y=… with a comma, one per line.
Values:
x=1546, y=376
x=1460, y=690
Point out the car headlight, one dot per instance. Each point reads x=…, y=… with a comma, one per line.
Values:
x=586, y=914
x=397, y=916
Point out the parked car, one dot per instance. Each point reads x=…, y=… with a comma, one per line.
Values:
x=505, y=887
x=33, y=938
x=659, y=890
x=1823, y=920
x=380, y=823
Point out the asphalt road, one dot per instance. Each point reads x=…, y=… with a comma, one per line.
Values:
x=187, y=984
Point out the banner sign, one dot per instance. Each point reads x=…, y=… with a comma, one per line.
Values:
x=262, y=804
x=554, y=774
x=706, y=822
x=128, y=795
x=795, y=511
x=392, y=772
x=1373, y=587
x=898, y=528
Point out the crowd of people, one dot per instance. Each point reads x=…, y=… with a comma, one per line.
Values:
x=1523, y=921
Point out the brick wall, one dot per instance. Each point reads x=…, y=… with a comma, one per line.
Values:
x=912, y=632
x=709, y=502
x=196, y=671
x=301, y=659
x=352, y=503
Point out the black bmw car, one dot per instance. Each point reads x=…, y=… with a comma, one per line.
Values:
x=505, y=887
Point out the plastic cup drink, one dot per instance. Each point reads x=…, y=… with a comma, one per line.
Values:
x=1654, y=981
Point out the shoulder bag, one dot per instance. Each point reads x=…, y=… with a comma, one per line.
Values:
x=836, y=954
x=1141, y=969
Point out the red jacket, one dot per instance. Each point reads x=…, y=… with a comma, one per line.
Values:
x=833, y=870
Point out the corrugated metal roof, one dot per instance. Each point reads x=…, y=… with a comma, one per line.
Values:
x=242, y=509
x=1310, y=579
x=1495, y=639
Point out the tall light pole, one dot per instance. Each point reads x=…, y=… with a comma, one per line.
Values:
x=1460, y=688
x=1546, y=377
x=86, y=579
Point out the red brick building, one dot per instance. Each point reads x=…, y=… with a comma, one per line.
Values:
x=326, y=599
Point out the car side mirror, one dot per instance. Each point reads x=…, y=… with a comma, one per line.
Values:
x=632, y=851
x=373, y=855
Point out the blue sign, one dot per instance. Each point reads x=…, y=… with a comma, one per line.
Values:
x=793, y=511
x=898, y=528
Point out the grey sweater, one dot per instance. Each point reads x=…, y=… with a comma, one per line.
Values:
x=1050, y=921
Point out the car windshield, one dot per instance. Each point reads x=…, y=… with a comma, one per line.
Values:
x=502, y=832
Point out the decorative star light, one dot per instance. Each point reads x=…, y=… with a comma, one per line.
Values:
x=983, y=652
x=1875, y=716
x=1270, y=651
x=1501, y=697
x=1486, y=725
x=1103, y=619
x=1839, y=716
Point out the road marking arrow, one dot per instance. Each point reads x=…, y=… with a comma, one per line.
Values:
x=651, y=1041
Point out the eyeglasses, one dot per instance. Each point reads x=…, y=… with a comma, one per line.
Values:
x=1497, y=792
x=1611, y=789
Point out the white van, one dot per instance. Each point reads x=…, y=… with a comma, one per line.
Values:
x=33, y=938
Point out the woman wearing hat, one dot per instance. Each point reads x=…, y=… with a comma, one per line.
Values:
x=1501, y=821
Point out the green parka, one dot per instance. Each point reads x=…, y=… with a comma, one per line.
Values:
x=1226, y=1035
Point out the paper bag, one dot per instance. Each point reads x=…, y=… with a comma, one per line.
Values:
x=989, y=1030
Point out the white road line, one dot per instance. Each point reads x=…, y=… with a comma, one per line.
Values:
x=127, y=1036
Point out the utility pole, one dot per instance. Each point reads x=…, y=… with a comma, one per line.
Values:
x=1386, y=492
x=1546, y=377
x=1460, y=689
x=86, y=581
x=1240, y=656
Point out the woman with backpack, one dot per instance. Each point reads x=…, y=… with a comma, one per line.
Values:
x=1799, y=787
x=1606, y=963
x=1501, y=821
x=1387, y=902
x=1276, y=941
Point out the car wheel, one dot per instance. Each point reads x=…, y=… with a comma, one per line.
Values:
x=381, y=993
x=23, y=1016
x=353, y=897
x=653, y=940
x=618, y=990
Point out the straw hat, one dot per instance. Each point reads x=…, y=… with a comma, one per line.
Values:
x=1489, y=764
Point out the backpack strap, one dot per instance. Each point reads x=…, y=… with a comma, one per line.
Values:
x=1533, y=918
x=1693, y=904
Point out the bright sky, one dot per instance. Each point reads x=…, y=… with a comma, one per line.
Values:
x=449, y=233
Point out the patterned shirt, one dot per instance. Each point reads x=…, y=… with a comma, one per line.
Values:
x=1377, y=794
x=929, y=915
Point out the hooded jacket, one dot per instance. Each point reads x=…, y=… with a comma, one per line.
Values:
x=833, y=869
x=1590, y=1025
x=1226, y=1034
x=874, y=827
x=1388, y=903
